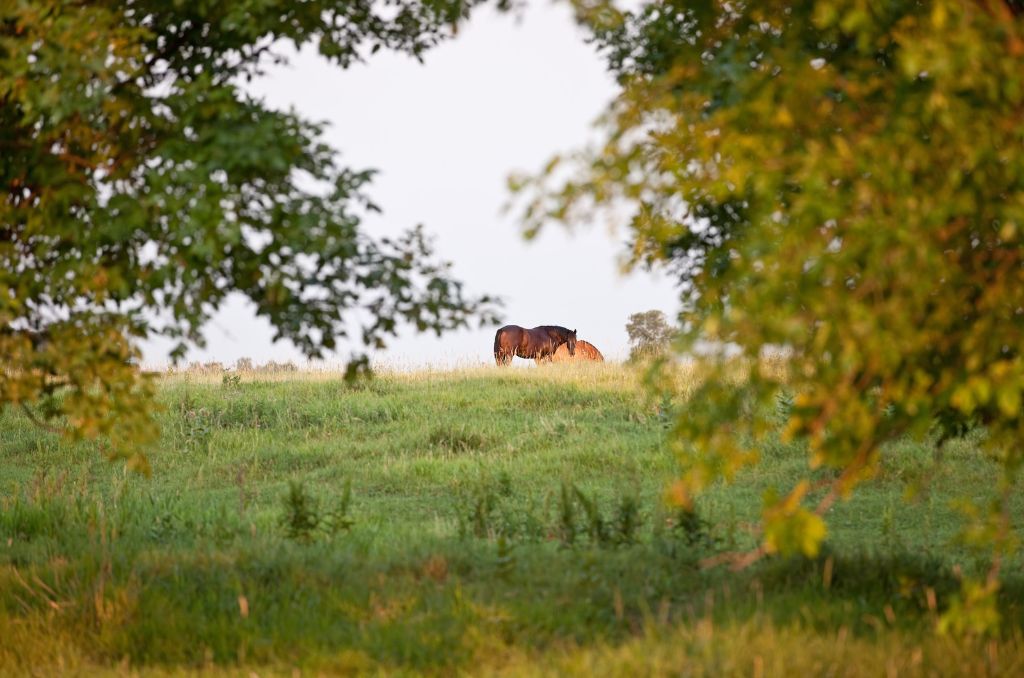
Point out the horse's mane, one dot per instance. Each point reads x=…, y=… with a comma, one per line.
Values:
x=559, y=328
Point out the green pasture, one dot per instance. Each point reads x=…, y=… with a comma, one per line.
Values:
x=476, y=521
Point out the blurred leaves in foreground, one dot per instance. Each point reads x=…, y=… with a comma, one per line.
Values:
x=837, y=184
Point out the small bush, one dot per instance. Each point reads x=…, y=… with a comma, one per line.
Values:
x=481, y=514
x=567, y=527
x=301, y=513
x=628, y=521
x=303, y=519
x=493, y=511
x=338, y=519
x=691, y=528
x=596, y=527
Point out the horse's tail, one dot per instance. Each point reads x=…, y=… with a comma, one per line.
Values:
x=497, y=346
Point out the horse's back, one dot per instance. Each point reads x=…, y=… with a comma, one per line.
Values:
x=512, y=333
x=590, y=351
x=585, y=351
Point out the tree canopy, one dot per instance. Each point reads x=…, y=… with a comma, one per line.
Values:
x=141, y=185
x=837, y=183
x=649, y=334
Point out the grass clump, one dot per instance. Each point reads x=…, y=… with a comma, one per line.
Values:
x=304, y=519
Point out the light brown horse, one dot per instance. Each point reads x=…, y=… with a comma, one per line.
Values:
x=539, y=343
x=585, y=352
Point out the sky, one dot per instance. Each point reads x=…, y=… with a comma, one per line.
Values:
x=504, y=96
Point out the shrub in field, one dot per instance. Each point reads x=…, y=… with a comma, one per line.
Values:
x=304, y=519
x=231, y=381
x=628, y=520
x=197, y=428
x=479, y=519
x=580, y=514
x=594, y=525
x=493, y=511
x=621, y=530
x=338, y=518
x=567, y=527
x=691, y=527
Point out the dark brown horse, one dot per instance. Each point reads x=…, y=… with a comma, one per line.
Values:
x=538, y=343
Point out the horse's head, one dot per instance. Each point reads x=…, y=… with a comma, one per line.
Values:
x=571, y=341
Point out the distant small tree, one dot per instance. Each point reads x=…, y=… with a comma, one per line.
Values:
x=649, y=334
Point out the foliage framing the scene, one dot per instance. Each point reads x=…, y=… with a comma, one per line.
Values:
x=142, y=185
x=841, y=184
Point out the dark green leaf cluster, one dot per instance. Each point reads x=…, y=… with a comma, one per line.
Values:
x=142, y=185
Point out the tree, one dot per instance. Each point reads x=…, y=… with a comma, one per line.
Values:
x=142, y=185
x=649, y=334
x=841, y=180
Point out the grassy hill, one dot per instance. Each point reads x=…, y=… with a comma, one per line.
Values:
x=481, y=521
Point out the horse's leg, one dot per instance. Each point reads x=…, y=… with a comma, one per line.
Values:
x=547, y=353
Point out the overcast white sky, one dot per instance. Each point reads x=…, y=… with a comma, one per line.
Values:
x=503, y=96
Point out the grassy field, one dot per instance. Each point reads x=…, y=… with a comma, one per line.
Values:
x=473, y=521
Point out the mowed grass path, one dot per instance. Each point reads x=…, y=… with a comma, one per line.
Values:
x=503, y=521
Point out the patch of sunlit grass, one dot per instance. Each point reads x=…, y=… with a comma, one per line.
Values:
x=458, y=558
